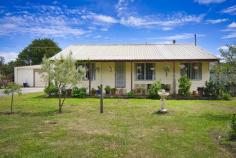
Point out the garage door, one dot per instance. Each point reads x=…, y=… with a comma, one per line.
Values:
x=38, y=79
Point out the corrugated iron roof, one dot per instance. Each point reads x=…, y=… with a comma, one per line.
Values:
x=136, y=52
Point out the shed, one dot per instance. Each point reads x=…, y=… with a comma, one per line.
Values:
x=32, y=75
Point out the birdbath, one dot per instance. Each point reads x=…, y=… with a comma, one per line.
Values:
x=163, y=94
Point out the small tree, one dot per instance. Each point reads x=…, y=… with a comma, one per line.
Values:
x=10, y=89
x=154, y=89
x=62, y=73
x=184, y=86
x=211, y=89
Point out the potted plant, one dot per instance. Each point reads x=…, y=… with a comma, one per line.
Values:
x=98, y=90
x=113, y=91
x=108, y=90
x=93, y=91
x=166, y=68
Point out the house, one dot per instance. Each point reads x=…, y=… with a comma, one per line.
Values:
x=131, y=66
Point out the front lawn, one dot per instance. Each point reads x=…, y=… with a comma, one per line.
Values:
x=127, y=128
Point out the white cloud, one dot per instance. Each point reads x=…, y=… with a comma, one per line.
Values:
x=105, y=18
x=46, y=21
x=223, y=48
x=230, y=35
x=9, y=56
x=231, y=31
x=209, y=1
x=129, y=17
x=230, y=10
x=100, y=19
x=182, y=36
x=122, y=7
x=163, y=22
x=232, y=25
x=216, y=21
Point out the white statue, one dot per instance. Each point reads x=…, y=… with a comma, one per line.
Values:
x=163, y=94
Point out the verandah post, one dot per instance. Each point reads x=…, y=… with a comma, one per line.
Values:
x=101, y=99
x=174, y=80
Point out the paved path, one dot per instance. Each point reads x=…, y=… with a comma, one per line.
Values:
x=26, y=90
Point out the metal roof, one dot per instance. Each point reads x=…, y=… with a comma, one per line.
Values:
x=133, y=52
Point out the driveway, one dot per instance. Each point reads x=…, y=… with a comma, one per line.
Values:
x=26, y=90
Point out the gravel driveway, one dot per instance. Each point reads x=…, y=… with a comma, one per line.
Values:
x=26, y=90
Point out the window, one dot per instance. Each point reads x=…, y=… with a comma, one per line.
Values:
x=92, y=71
x=191, y=70
x=145, y=71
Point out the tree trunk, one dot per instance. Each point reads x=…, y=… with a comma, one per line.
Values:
x=11, y=103
x=59, y=102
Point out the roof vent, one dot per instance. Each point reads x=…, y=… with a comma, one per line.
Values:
x=174, y=41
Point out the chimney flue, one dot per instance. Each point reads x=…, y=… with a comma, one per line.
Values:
x=174, y=41
x=195, y=39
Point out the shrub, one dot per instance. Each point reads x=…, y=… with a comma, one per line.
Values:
x=166, y=87
x=232, y=135
x=107, y=89
x=93, y=91
x=78, y=92
x=226, y=96
x=130, y=94
x=184, y=86
x=113, y=91
x=154, y=89
x=210, y=89
x=51, y=90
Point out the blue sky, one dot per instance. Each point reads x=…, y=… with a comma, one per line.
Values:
x=116, y=21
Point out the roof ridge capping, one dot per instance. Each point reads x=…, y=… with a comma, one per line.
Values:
x=130, y=44
x=99, y=52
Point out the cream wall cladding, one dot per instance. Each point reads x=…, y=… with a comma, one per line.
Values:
x=163, y=73
x=32, y=75
x=105, y=74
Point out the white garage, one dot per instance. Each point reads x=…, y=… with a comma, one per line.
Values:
x=30, y=75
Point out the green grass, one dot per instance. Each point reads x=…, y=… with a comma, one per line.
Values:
x=128, y=128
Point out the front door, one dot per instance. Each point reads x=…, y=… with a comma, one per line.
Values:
x=120, y=75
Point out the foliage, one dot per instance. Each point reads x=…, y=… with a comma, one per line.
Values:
x=225, y=72
x=131, y=94
x=113, y=91
x=154, y=89
x=108, y=89
x=184, y=86
x=233, y=128
x=2, y=61
x=10, y=89
x=226, y=96
x=229, y=54
x=216, y=90
x=34, y=52
x=51, y=90
x=7, y=69
x=166, y=87
x=93, y=91
x=211, y=89
x=62, y=72
x=79, y=92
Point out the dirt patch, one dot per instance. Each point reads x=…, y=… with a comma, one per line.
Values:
x=51, y=122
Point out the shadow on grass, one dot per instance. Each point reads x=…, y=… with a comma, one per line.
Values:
x=26, y=114
x=216, y=117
